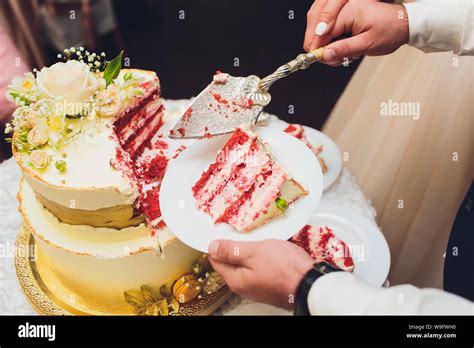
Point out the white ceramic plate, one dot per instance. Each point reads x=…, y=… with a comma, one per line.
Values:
x=330, y=154
x=368, y=246
x=196, y=229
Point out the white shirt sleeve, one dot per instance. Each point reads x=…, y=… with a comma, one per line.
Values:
x=344, y=293
x=442, y=25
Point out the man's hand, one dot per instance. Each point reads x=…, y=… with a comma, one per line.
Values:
x=268, y=271
x=376, y=29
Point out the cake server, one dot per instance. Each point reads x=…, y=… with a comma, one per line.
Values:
x=230, y=101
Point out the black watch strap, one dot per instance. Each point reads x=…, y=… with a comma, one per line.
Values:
x=318, y=270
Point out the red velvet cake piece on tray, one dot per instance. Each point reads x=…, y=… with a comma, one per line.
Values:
x=323, y=245
x=245, y=187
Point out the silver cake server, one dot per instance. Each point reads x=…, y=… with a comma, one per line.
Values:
x=230, y=101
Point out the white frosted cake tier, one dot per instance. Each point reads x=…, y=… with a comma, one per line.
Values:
x=104, y=262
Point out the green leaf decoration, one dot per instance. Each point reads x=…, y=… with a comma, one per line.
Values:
x=112, y=70
x=15, y=95
x=127, y=76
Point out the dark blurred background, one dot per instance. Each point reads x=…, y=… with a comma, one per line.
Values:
x=185, y=42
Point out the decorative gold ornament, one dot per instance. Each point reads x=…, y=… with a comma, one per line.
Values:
x=187, y=288
x=213, y=283
x=149, y=301
x=197, y=268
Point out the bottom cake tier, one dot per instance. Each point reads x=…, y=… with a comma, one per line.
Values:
x=126, y=270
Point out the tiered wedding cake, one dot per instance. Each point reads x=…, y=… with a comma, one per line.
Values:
x=87, y=137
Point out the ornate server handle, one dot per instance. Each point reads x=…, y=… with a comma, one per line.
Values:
x=301, y=62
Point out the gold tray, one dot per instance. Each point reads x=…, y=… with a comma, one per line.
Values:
x=49, y=296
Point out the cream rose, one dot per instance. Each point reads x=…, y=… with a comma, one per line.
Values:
x=108, y=102
x=71, y=81
x=26, y=117
x=39, y=135
x=39, y=159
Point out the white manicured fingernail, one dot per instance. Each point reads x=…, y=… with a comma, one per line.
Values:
x=321, y=28
x=213, y=247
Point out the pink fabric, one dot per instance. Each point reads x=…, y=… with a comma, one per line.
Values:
x=11, y=65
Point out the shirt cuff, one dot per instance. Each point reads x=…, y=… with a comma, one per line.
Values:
x=339, y=293
x=435, y=26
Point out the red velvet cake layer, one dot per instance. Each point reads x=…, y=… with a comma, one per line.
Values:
x=241, y=184
x=142, y=154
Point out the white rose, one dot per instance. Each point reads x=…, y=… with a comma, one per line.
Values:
x=39, y=159
x=39, y=135
x=108, y=102
x=26, y=117
x=71, y=81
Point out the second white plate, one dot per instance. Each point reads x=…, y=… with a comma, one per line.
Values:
x=330, y=154
x=367, y=244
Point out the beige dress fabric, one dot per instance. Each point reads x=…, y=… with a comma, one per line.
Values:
x=415, y=172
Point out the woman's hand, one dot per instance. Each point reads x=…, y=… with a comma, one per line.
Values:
x=268, y=271
x=320, y=20
x=376, y=29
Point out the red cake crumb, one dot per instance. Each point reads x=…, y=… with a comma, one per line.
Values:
x=249, y=103
x=182, y=131
x=158, y=145
x=206, y=135
x=220, y=100
x=150, y=203
x=154, y=169
x=187, y=114
x=180, y=149
x=296, y=130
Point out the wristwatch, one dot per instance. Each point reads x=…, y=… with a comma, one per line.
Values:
x=318, y=270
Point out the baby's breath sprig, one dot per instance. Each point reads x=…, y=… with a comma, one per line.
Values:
x=96, y=62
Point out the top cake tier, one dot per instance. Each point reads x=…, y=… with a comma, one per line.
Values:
x=75, y=143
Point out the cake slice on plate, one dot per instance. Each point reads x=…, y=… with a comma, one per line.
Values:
x=297, y=131
x=323, y=245
x=245, y=187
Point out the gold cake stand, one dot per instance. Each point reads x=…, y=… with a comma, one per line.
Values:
x=49, y=296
